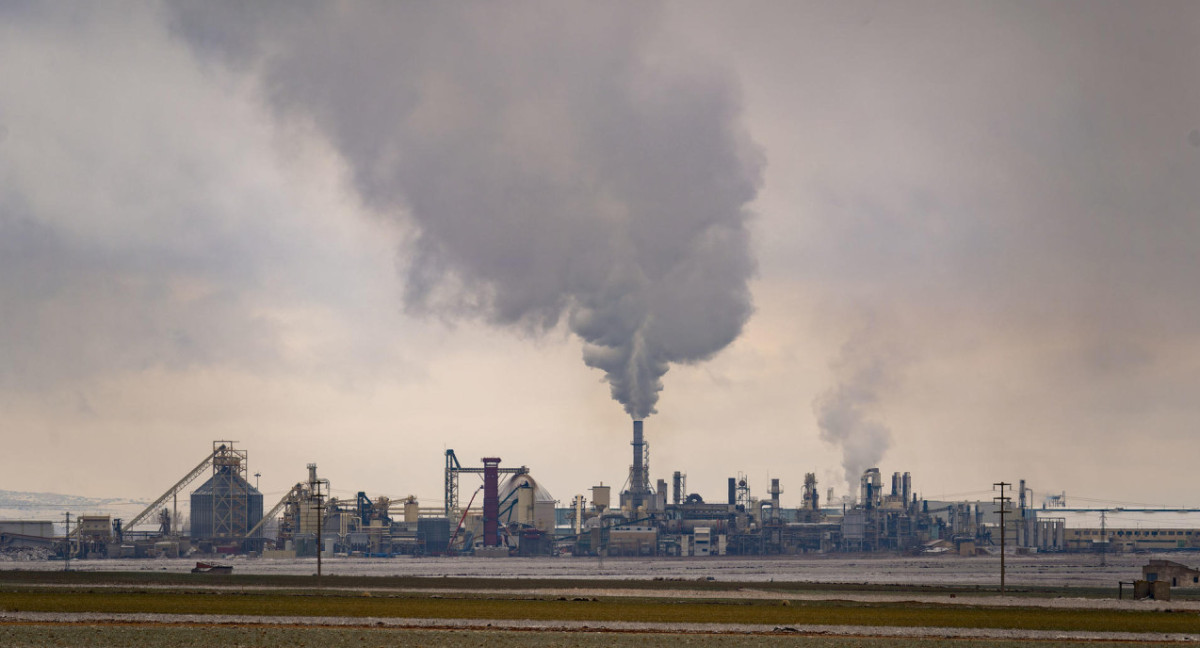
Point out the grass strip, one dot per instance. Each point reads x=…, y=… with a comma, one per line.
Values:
x=468, y=583
x=605, y=609
x=115, y=636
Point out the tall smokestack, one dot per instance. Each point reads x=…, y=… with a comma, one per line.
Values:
x=491, y=501
x=638, y=443
x=811, y=496
x=775, y=491
x=639, y=477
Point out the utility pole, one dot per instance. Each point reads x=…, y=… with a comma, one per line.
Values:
x=314, y=486
x=1003, y=501
x=1103, y=539
x=67, y=543
x=320, y=514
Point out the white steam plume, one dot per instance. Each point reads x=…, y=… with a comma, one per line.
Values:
x=847, y=413
x=553, y=164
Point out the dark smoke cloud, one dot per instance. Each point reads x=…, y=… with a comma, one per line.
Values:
x=554, y=163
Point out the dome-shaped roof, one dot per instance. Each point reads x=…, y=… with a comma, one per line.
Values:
x=514, y=482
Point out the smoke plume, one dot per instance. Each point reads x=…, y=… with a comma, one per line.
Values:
x=847, y=413
x=555, y=165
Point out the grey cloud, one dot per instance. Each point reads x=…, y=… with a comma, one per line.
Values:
x=1008, y=182
x=1031, y=163
x=552, y=165
x=1033, y=151
x=71, y=310
x=133, y=234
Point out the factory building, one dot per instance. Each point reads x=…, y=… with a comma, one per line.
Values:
x=30, y=528
x=506, y=511
x=1141, y=539
x=18, y=535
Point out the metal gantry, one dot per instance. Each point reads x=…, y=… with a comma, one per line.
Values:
x=230, y=491
x=453, y=468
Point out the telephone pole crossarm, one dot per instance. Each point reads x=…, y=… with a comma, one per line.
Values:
x=1003, y=501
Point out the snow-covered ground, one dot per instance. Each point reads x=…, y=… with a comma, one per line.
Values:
x=1037, y=570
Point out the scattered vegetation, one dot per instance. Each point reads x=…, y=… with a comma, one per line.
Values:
x=119, y=636
x=780, y=612
x=476, y=584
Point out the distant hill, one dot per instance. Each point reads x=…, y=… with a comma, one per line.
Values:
x=22, y=505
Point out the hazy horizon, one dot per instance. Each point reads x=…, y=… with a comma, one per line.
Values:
x=956, y=240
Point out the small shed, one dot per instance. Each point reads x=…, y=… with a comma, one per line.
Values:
x=1177, y=574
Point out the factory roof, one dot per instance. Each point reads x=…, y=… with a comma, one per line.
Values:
x=1117, y=519
x=540, y=494
x=207, y=487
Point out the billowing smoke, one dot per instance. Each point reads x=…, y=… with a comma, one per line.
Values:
x=554, y=163
x=847, y=413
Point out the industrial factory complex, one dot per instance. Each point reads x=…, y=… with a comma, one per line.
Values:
x=502, y=510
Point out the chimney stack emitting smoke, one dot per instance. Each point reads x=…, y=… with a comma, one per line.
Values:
x=639, y=472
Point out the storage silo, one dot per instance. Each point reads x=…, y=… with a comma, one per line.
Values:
x=225, y=506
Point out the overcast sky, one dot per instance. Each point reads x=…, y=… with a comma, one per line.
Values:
x=957, y=239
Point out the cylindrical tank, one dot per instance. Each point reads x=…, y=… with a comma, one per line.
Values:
x=202, y=513
x=524, y=508
x=412, y=510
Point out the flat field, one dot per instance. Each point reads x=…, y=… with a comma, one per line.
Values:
x=559, y=603
x=1037, y=570
x=127, y=636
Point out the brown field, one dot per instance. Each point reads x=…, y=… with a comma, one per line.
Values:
x=42, y=608
x=194, y=636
